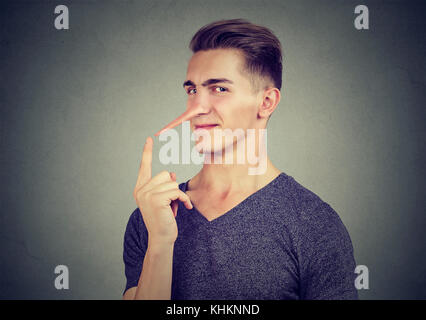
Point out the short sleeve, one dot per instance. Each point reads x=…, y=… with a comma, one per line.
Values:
x=134, y=248
x=328, y=268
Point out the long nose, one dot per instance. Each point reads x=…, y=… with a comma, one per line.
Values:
x=195, y=108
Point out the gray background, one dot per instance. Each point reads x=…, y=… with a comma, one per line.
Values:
x=77, y=105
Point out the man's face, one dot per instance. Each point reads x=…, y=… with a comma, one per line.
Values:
x=221, y=94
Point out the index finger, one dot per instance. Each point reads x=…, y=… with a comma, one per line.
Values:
x=145, y=169
x=183, y=117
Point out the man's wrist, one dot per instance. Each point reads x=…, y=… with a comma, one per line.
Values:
x=159, y=247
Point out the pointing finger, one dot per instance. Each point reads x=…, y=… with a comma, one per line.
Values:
x=145, y=170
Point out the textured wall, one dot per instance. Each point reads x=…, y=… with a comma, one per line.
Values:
x=77, y=105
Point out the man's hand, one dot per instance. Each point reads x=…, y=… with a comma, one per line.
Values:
x=157, y=199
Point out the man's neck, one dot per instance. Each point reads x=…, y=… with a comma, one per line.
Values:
x=241, y=177
x=226, y=180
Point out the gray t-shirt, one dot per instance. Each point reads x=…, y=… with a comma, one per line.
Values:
x=281, y=242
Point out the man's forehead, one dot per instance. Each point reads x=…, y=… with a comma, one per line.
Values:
x=214, y=64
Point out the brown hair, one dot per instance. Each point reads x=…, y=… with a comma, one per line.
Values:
x=261, y=48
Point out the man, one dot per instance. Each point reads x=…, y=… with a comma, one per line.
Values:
x=226, y=234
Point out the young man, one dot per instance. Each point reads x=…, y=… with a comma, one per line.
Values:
x=227, y=234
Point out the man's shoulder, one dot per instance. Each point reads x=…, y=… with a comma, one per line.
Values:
x=293, y=195
x=309, y=221
x=299, y=205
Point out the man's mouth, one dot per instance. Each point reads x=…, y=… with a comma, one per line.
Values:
x=205, y=126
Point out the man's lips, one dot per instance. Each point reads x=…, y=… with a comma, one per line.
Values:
x=205, y=126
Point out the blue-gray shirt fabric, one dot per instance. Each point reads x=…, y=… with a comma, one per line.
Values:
x=282, y=242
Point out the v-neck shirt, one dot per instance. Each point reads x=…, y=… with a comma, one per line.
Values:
x=281, y=242
x=230, y=212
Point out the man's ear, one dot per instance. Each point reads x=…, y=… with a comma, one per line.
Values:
x=271, y=98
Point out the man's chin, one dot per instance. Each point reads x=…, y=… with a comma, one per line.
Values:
x=219, y=149
x=208, y=149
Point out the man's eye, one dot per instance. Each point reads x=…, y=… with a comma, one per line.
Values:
x=220, y=89
x=189, y=91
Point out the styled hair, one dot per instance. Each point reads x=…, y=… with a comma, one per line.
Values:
x=260, y=47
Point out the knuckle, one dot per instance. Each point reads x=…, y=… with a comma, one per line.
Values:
x=136, y=193
x=147, y=195
x=164, y=173
x=154, y=198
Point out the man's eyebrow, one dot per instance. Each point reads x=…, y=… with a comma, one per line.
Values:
x=207, y=82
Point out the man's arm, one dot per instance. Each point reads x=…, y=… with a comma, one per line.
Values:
x=328, y=264
x=155, y=281
x=157, y=199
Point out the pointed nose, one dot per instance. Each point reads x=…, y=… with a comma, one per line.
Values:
x=197, y=106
